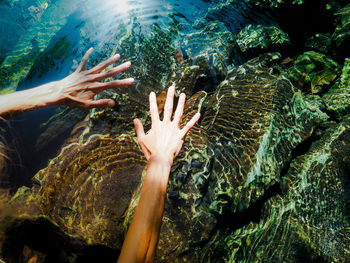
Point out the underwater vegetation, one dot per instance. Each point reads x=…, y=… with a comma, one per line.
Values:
x=263, y=177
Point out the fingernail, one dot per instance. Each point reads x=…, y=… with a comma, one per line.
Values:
x=128, y=64
x=111, y=103
x=116, y=56
x=130, y=80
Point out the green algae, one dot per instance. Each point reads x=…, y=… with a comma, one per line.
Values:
x=274, y=3
x=18, y=63
x=261, y=37
x=319, y=70
x=337, y=98
x=342, y=30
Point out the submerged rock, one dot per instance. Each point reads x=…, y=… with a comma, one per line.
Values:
x=337, y=99
x=273, y=3
x=308, y=220
x=229, y=161
x=258, y=37
x=319, y=71
x=342, y=32
x=213, y=43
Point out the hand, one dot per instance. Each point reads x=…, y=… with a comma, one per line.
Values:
x=165, y=139
x=80, y=88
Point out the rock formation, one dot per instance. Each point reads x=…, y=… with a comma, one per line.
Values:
x=249, y=126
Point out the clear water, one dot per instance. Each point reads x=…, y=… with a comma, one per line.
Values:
x=31, y=30
x=251, y=192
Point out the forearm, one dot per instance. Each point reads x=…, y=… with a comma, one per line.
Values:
x=22, y=101
x=142, y=237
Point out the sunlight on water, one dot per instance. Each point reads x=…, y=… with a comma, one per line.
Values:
x=109, y=15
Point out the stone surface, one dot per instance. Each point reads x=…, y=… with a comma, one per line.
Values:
x=337, y=99
x=319, y=71
x=342, y=31
x=249, y=126
x=273, y=3
x=258, y=37
x=211, y=42
x=308, y=220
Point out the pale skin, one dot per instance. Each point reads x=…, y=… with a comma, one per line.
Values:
x=160, y=146
x=76, y=90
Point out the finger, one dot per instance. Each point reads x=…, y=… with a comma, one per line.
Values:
x=102, y=103
x=84, y=60
x=179, y=108
x=140, y=132
x=153, y=107
x=111, y=72
x=99, y=87
x=168, y=107
x=119, y=83
x=104, y=64
x=189, y=125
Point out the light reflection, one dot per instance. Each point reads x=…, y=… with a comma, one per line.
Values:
x=122, y=6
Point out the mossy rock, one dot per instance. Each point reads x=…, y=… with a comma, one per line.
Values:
x=342, y=31
x=337, y=99
x=318, y=70
x=258, y=37
x=308, y=220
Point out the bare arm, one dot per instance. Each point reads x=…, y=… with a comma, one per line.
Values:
x=160, y=146
x=76, y=90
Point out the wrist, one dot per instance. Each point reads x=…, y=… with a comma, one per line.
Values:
x=158, y=171
x=48, y=94
x=162, y=160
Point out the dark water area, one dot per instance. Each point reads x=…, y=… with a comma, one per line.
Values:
x=264, y=175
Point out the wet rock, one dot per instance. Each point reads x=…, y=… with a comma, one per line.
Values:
x=59, y=125
x=342, y=31
x=258, y=37
x=309, y=220
x=210, y=42
x=319, y=71
x=229, y=161
x=337, y=99
x=246, y=146
x=78, y=190
x=273, y=3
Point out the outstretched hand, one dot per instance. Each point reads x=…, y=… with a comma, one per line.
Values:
x=165, y=138
x=80, y=88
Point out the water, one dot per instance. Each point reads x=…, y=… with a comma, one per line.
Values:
x=262, y=177
x=51, y=36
